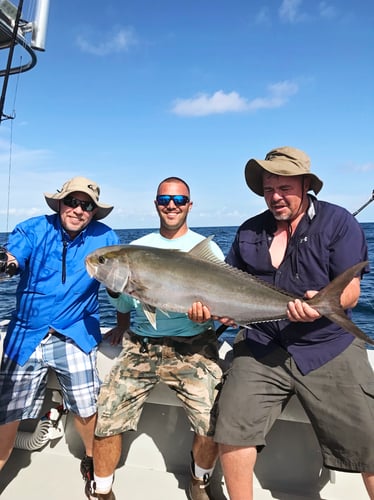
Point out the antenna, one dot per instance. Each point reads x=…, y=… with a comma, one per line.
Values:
x=40, y=25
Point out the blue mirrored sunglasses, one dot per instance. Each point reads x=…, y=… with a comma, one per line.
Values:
x=87, y=206
x=178, y=199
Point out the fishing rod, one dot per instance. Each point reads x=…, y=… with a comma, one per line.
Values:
x=365, y=204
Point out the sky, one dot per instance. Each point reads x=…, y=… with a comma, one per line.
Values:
x=127, y=93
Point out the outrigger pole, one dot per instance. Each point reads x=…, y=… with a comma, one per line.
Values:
x=365, y=204
x=9, y=62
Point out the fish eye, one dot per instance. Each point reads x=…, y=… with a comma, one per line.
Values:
x=101, y=259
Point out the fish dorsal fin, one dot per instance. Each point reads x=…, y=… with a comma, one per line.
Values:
x=203, y=251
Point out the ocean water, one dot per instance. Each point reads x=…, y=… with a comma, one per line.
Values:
x=363, y=314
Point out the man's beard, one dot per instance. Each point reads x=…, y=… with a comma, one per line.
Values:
x=285, y=217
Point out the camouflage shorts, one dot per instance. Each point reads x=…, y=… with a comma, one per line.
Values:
x=185, y=365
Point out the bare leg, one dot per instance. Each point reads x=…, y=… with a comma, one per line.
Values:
x=368, y=478
x=205, y=451
x=86, y=428
x=107, y=452
x=8, y=434
x=237, y=465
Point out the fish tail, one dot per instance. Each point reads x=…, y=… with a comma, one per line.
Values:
x=327, y=302
x=342, y=320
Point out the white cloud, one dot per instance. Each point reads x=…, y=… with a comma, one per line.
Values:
x=119, y=42
x=327, y=11
x=263, y=16
x=220, y=102
x=365, y=167
x=203, y=104
x=289, y=11
x=278, y=95
x=15, y=156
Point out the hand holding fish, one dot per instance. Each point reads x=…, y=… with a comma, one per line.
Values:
x=199, y=313
x=298, y=310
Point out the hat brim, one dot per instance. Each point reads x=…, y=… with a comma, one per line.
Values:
x=254, y=172
x=53, y=201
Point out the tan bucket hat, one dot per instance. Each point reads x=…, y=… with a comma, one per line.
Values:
x=83, y=185
x=285, y=161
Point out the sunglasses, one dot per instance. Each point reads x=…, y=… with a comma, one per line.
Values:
x=178, y=199
x=86, y=206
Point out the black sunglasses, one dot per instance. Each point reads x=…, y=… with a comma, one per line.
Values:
x=87, y=206
x=178, y=199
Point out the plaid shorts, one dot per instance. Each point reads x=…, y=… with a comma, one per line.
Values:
x=22, y=388
x=187, y=365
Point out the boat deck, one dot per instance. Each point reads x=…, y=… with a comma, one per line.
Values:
x=155, y=459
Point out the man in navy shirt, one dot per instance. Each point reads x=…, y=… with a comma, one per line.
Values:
x=299, y=244
x=56, y=321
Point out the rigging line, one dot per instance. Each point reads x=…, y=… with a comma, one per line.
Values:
x=11, y=149
x=9, y=176
x=16, y=86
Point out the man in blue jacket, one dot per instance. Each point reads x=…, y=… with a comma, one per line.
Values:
x=56, y=321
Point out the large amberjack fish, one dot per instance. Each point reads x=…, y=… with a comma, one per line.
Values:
x=172, y=280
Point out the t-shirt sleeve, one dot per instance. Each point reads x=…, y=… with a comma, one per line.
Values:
x=124, y=303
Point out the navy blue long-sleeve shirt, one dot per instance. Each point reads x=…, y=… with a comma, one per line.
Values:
x=327, y=241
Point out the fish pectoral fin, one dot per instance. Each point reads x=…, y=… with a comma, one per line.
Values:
x=134, y=287
x=150, y=313
x=165, y=313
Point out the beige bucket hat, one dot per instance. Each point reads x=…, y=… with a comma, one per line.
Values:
x=285, y=161
x=83, y=185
